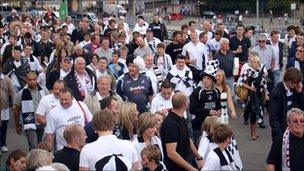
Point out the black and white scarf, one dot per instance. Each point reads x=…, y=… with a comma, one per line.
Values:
x=27, y=108
x=285, y=151
x=88, y=82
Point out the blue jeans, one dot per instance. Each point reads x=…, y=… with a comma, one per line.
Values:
x=276, y=75
x=230, y=83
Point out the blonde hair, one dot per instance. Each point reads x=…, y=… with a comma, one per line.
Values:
x=209, y=124
x=145, y=121
x=125, y=117
x=224, y=81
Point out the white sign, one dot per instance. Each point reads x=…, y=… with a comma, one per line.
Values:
x=293, y=6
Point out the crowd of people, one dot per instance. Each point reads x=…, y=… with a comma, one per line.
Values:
x=101, y=96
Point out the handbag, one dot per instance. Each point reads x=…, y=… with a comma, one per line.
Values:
x=241, y=92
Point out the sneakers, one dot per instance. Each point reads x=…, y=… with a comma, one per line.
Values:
x=4, y=149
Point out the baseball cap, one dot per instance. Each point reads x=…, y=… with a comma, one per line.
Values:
x=68, y=59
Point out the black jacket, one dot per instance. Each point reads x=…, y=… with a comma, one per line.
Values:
x=281, y=46
x=72, y=83
x=9, y=68
x=159, y=30
x=278, y=108
x=201, y=102
x=52, y=78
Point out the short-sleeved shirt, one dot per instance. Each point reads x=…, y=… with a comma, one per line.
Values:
x=173, y=50
x=266, y=55
x=71, y=154
x=136, y=91
x=60, y=117
x=46, y=104
x=175, y=130
x=245, y=43
x=296, y=153
x=104, y=146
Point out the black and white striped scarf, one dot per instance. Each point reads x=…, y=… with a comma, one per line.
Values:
x=27, y=108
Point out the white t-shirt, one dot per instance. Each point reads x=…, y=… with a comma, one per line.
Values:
x=196, y=51
x=35, y=65
x=205, y=146
x=46, y=104
x=141, y=29
x=60, y=117
x=159, y=104
x=213, y=162
x=151, y=74
x=215, y=45
x=104, y=146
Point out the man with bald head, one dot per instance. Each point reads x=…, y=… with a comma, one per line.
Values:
x=81, y=79
x=75, y=137
x=179, y=150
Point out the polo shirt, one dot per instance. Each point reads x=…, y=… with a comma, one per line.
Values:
x=46, y=104
x=68, y=156
x=175, y=130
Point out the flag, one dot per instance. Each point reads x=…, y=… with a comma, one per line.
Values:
x=63, y=10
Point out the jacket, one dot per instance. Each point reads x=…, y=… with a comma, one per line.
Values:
x=159, y=30
x=7, y=92
x=201, y=102
x=9, y=68
x=278, y=108
x=72, y=83
x=52, y=78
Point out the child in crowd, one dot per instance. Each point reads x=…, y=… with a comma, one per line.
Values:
x=151, y=159
x=116, y=67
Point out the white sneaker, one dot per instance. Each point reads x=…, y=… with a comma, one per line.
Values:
x=4, y=149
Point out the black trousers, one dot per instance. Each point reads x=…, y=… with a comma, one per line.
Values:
x=3, y=133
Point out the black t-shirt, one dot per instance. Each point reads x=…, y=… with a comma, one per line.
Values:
x=69, y=157
x=245, y=43
x=173, y=50
x=175, y=130
x=296, y=153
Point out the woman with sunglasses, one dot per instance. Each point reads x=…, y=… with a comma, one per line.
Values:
x=298, y=60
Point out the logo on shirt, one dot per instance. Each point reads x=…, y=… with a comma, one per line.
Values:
x=137, y=89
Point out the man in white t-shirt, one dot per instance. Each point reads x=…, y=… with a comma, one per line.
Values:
x=68, y=112
x=162, y=102
x=197, y=55
x=49, y=102
x=107, y=145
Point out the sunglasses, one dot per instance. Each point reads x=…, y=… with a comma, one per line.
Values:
x=297, y=121
x=262, y=41
x=299, y=50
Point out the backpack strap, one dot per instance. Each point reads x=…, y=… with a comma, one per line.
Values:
x=221, y=156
